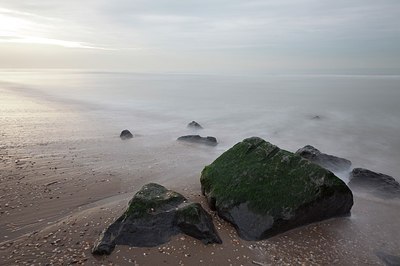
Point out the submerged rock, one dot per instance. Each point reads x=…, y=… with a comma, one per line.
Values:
x=198, y=139
x=330, y=162
x=389, y=260
x=376, y=183
x=126, y=134
x=153, y=215
x=263, y=190
x=194, y=125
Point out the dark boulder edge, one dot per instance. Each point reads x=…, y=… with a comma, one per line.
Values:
x=263, y=190
x=330, y=162
x=194, y=125
x=153, y=216
x=388, y=259
x=211, y=141
x=378, y=184
x=125, y=134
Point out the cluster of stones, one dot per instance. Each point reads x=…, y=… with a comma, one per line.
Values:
x=259, y=188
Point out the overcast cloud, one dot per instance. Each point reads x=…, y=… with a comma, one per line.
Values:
x=177, y=35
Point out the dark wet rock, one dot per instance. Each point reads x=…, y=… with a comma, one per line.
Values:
x=263, y=190
x=389, y=260
x=198, y=139
x=126, y=134
x=153, y=216
x=194, y=125
x=376, y=183
x=330, y=162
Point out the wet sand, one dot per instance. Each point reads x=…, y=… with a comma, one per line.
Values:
x=65, y=176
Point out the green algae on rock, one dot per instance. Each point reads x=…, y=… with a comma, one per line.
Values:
x=154, y=215
x=263, y=190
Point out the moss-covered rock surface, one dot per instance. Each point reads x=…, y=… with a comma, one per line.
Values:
x=263, y=190
x=154, y=215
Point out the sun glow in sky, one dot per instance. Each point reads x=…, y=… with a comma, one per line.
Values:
x=28, y=28
x=201, y=36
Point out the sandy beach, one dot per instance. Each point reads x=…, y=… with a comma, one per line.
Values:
x=241, y=132
x=65, y=176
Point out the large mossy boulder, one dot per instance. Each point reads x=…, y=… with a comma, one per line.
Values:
x=263, y=190
x=153, y=215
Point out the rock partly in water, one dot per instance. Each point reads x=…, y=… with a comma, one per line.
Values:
x=376, y=183
x=330, y=162
x=198, y=139
x=153, y=215
x=194, y=125
x=126, y=134
x=263, y=190
x=389, y=260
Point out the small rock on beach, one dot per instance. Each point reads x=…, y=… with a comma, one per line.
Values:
x=380, y=185
x=194, y=125
x=212, y=141
x=125, y=134
x=330, y=162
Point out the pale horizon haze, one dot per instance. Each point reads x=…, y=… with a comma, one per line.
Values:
x=235, y=36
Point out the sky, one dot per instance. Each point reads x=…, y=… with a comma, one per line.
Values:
x=226, y=36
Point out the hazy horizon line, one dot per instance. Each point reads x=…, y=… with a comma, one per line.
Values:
x=294, y=72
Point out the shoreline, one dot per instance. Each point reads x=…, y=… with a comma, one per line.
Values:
x=44, y=221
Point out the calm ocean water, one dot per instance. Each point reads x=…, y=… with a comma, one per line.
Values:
x=358, y=117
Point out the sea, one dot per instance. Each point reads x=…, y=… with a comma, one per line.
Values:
x=352, y=116
x=73, y=118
